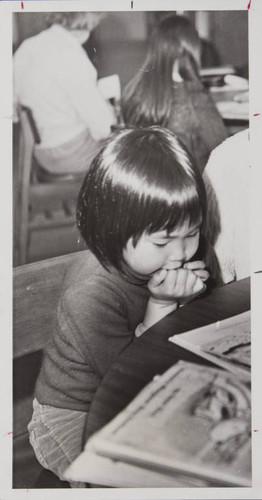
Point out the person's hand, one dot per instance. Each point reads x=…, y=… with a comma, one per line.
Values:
x=170, y=288
x=198, y=267
x=178, y=284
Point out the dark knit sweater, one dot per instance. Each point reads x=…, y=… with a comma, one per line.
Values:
x=196, y=121
x=96, y=317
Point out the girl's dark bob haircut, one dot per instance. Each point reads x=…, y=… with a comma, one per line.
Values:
x=143, y=180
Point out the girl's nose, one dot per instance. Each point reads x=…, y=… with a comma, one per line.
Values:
x=177, y=250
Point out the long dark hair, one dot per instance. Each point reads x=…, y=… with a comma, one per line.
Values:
x=148, y=96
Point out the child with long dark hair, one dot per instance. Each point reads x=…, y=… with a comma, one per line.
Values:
x=141, y=210
x=168, y=91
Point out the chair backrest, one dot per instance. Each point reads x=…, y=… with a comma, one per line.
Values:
x=54, y=201
x=35, y=296
x=22, y=175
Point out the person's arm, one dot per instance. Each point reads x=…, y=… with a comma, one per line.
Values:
x=96, y=323
x=169, y=289
x=88, y=101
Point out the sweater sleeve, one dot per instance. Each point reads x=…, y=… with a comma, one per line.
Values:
x=91, y=329
x=87, y=99
x=96, y=324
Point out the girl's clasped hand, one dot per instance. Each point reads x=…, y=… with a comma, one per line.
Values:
x=181, y=284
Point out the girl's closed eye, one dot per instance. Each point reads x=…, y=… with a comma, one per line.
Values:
x=192, y=235
x=160, y=244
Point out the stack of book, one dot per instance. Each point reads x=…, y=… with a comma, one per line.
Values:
x=190, y=427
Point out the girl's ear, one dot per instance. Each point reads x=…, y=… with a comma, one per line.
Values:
x=176, y=77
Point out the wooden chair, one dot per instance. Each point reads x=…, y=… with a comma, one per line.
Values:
x=36, y=290
x=38, y=205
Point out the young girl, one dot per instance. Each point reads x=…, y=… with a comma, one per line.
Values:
x=168, y=91
x=140, y=209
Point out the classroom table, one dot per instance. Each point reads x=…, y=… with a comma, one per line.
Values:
x=152, y=353
x=235, y=113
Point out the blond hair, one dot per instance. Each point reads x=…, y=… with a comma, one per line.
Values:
x=75, y=20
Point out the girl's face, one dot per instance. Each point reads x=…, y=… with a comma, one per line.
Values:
x=162, y=250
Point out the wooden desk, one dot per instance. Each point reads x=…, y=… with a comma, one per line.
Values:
x=235, y=114
x=152, y=354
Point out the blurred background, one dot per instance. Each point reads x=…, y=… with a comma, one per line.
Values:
x=119, y=43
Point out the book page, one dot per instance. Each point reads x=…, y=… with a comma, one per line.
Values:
x=226, y=343
x=193, y=422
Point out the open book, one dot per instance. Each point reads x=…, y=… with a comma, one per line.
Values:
x=189, y=427
x=226, y=343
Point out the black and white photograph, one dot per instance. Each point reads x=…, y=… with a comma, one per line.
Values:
x=132, y=135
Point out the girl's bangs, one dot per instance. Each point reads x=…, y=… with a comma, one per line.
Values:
x=158, y=214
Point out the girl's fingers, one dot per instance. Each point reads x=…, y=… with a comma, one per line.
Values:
x=193, y=284
x=199, y=286
x=202, y=273
x=184, y=279
x=158, y=278
x=191, y=281
x=177, y=283
x=170, y=281
x=197, y=264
